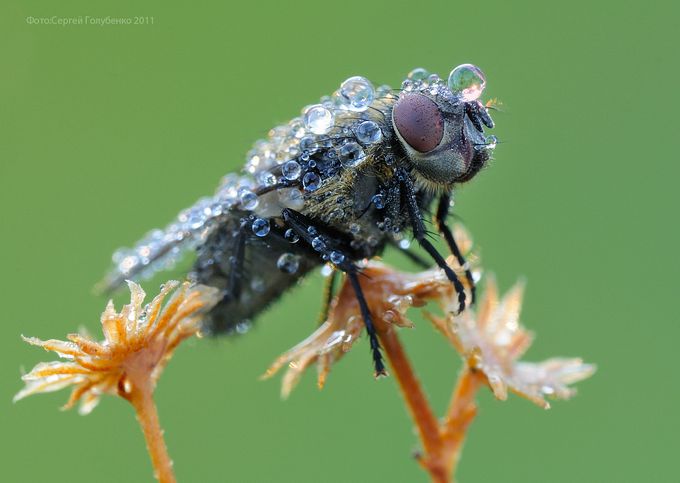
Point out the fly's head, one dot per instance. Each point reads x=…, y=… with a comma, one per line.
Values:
x=441, y=127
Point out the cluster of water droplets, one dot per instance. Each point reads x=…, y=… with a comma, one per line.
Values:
x=318, y=128
x=465, y=82
x=421, y=80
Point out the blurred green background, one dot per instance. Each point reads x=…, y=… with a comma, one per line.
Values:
x=107, y=132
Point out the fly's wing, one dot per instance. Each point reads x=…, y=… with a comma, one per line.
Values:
x=296, y=159
x=161, y=249
x=251, y=271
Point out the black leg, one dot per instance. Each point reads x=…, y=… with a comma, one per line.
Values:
x=326, y=245
x=478, y=115
x=236, y=265
x=328, y=292
x=484, y=115
x=368, y=321
x=440, y=217
x=473, y=116
x=421, y=235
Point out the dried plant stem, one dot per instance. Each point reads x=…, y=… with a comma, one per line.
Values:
x=442, y=442
x=140, y=395
x=462, y=410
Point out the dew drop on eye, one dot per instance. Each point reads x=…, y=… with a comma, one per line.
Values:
x=468, y=81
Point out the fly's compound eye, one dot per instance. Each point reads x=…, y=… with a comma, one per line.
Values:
x=419, y=122
x=467, y=81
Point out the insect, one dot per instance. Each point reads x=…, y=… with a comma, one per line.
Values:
x=353, y=175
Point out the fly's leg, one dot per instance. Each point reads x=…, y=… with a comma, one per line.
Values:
x=336, y=250
x=378, y=363
x=478, y=115
x=236, y=262
x=440, y=218
x=328, y=292
x=393, y=208
x=420, y=234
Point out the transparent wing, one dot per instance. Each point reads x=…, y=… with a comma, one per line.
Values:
x=161, y=249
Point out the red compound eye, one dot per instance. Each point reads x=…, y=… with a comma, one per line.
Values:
x=419, y=122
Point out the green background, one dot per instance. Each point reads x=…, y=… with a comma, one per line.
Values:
x=107, y=132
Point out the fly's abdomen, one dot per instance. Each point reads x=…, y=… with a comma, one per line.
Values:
x=251, y=271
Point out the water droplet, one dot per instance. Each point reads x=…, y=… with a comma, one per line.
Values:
x=383, y=91
x=337, y=258
x=548, y=390
x=404, y=244
x=326, y=271
x=491, y=142
x=368, y=132
x=309, y=144
x=358, y=93
x=257, y=284
x=291, y=170
x=243, y=326
x=433, y=79
x=318, y=244
x=335, y=339
x=318, y=119
x=330, y=155
x=119, y=254
x=312, y=231
x=418, y=74
x=127, y=386
x=297, y=128
x=288, y=263
x=260, y=227
x=144, y=253
x=311, y=181
x=127, y=264
x=379, y=201
x=350, y=154
x=476, y=276
x=291, y=236
x=266, y=178
x=355, y=228
x=467, y=81
x=196, y=217
x=248, y=199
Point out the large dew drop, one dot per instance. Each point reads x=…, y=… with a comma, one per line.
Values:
x=368, y=132
x=291, y=170
x=467, y=81
x=351, y=154
x=318, y=119
x=357, y=92
x=311, y=181
x=248, y=199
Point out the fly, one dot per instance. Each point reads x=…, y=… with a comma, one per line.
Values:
x=337, y=185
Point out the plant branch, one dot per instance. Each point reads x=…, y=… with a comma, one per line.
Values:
x=442, y=442
x=140, y=395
